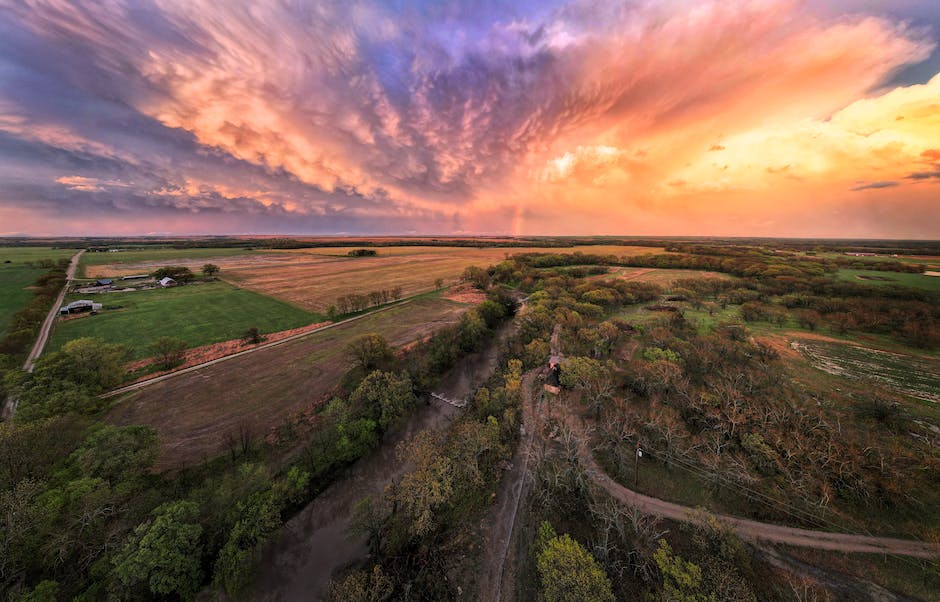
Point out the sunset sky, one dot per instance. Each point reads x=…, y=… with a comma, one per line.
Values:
x=654, y=117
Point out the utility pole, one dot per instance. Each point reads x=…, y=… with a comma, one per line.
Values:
x=636, y=469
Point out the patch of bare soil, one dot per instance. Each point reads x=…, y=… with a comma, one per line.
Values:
x=207, y=353
x=779, y=344
x=877, y=278
x=465, y=293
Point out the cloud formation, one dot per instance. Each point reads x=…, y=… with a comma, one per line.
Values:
x=360, y=116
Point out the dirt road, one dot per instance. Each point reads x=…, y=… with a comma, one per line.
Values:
x=501, y=533
x=9, y=406
x=748, y=529
x=51, y=316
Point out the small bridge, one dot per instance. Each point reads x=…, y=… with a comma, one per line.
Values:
x=461, y=403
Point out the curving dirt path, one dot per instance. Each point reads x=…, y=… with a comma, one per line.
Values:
x=748, y=529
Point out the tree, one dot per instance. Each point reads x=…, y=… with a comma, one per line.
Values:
x=252, y=336
x=422, y=492
x=384, y=397
x=590, y=376
x=491, y=312
x=45, y=591
x=476, y=276
x=682, y=580
x=92, y=362
x=363, y=586
x=473, y=331
x=69, y=380
x=181, y=274
x=396, y=292
x=369, y=351
x=258, y=517
x=438, y=283
x=164, y=553
x=210, y=270
x=117, y=453
x=168, y=351
x=568, y=572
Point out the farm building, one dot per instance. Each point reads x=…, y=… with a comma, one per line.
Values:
x=82, y=305
x=105, y=282
x=136, y=277
x=167, y=282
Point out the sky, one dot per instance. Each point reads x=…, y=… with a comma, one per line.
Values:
x=527, y=117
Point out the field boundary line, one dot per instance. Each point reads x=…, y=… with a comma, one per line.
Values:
x=162, y=377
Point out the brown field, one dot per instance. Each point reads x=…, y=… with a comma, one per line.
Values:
x=314, y=278
x=194, y=412
x=274, y=259
x=316, y=285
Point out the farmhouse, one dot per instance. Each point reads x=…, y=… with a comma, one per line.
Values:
x=82, y=305
x=167, y=282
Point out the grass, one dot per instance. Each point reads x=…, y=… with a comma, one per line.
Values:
x=916, y=260
x=112, y=264
x=913, y=376
x=663, y=277
x=20, y=255
x=674, y=484
x=909, y=576
x=16, y=277
x=194, y=411
x=875, y=278
x=199, y=314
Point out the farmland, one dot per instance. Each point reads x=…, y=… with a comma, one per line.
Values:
x=914, y=376
x=16, y=277
x=314, y=278
x=193, y=412
x=198, y=314
x=874, y=278
x=96, y=265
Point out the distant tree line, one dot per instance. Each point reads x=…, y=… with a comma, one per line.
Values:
x=357, y=302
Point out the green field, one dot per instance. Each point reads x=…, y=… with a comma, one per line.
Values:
x=157, y=254
x=875, y=278
x=915, y=376
x=199, y=314
x=16, y=276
